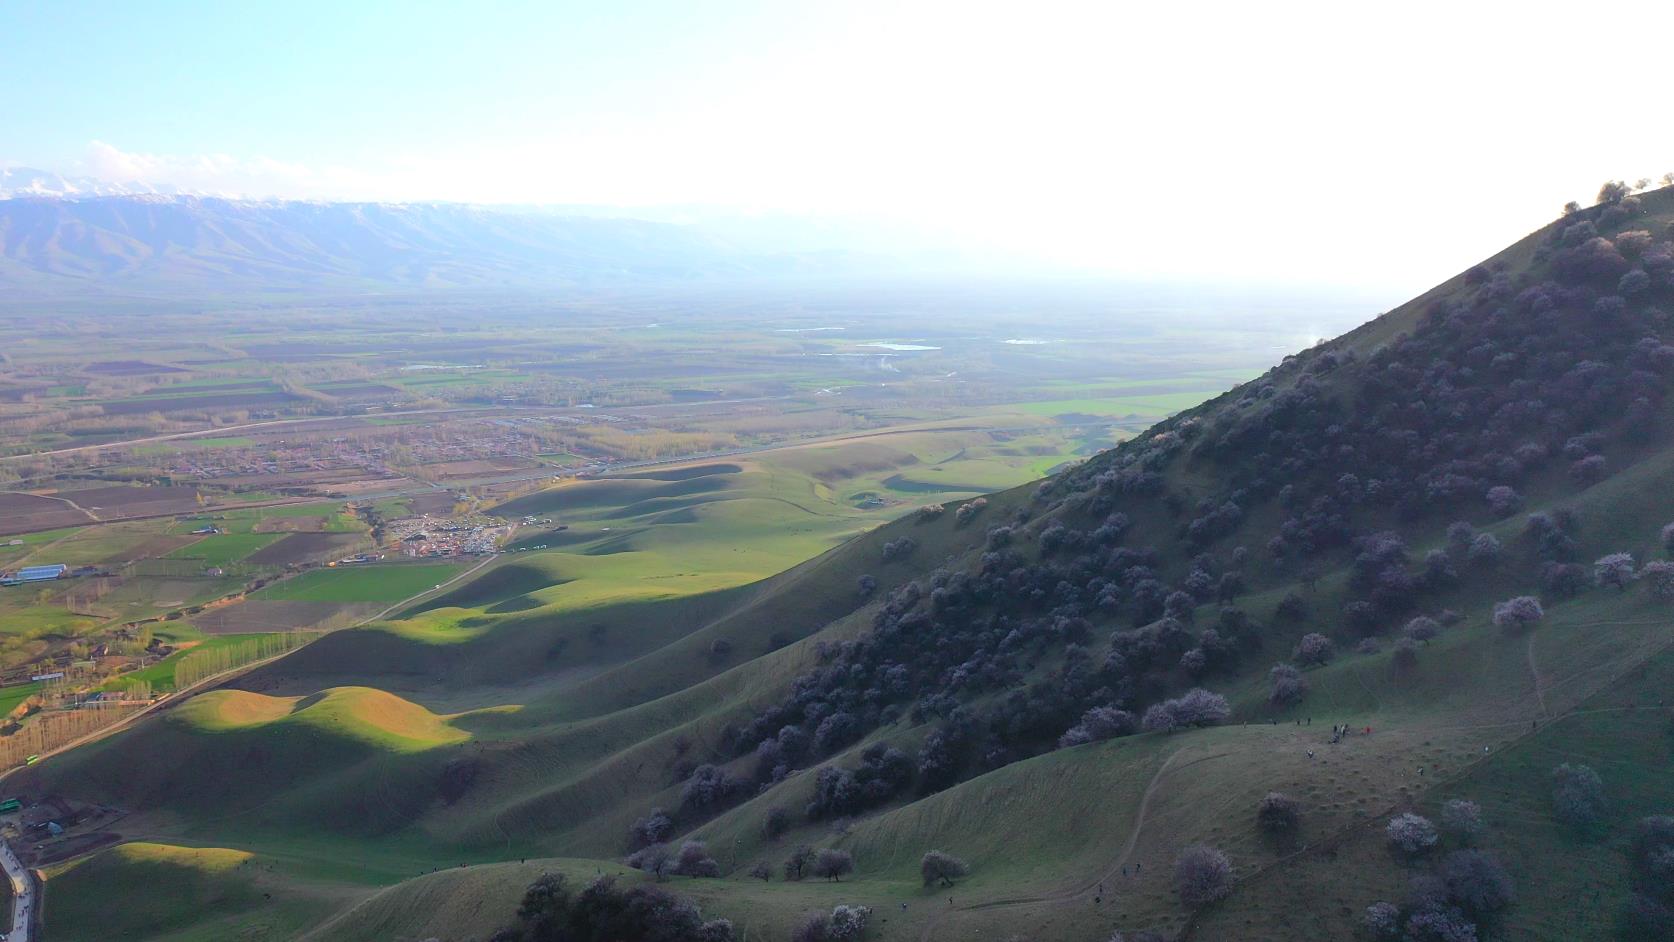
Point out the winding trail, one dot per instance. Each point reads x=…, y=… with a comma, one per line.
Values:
x=1539, y=687
x=1115, y=866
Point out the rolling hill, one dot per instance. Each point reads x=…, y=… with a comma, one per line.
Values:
x=1442, y=533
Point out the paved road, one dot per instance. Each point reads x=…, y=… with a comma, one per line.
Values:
x=23, y=893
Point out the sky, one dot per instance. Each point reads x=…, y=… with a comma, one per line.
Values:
x=1296, y=143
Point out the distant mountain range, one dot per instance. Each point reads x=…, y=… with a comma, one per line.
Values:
x=27, y=181
x=61, y=236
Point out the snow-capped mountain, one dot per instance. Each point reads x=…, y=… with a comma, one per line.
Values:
x=18, y=182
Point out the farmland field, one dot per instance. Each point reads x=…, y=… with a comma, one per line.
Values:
x=389, y=582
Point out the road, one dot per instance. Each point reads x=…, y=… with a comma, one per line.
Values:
x=23, y=893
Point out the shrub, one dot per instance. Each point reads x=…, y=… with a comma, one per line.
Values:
x=1314, y=649
x=1289, y=686
x=1659, y=575
x=1422, y=628
x=761, y=871
x=1484, y=548
x=777, y=822
x=1462, y=818
x=899, y=548
x=968, y=510
x=1653, y=853
x=800, y=861
x=654, y=828
x=1202, y=875
x=1382, y=920
x=601, y=910
x=1440, y=924
x=1564, y=580
x=1294, y=608
x=1613, y=191
x=843, y=924
x=833, y=864
x=936, y=866
x=1589, y=470
x=1614, y=571
x=693, y=860
x=1504, y=501
x=931, y=511
x=1197, y=707
x=655, y=859
x=866, y=585
x=1099, y=723
x=1278, y=813
x=1578, y=795
x=1477, y=882
x=1410, y=833
x=1518, y=613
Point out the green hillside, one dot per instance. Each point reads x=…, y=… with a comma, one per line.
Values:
x=1010, y=680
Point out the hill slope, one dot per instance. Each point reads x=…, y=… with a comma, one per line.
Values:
x=1007, y=680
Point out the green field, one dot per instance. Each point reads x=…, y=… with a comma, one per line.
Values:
x=161, y=674
x=223, y=549
x=389, y=582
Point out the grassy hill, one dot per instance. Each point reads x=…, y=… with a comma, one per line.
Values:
x=993, y=678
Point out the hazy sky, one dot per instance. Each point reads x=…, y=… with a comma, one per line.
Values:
x=1336, y=142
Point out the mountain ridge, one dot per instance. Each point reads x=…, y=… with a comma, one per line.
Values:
x=202, y=246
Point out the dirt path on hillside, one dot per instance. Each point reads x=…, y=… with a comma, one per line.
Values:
x=1539, y=686
x=1108, y=874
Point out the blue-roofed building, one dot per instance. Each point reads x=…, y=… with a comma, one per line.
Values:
x=36, y=574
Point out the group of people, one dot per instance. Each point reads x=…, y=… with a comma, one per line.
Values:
x=1344, y=730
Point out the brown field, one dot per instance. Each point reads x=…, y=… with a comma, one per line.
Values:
x=119, y=501
x=276, y=615
x=26, y=513
x=431, y=502
x=291, y=524
x=304, y=547
x=456, y=470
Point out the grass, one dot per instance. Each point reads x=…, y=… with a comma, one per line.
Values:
x=373, y=717
x=382, y=583
x=11, y=697
x=160, y=891
x=223, y=549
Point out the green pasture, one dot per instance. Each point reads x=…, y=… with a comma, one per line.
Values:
x=389, y=582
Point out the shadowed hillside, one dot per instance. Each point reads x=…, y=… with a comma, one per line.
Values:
x=1232, y=679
